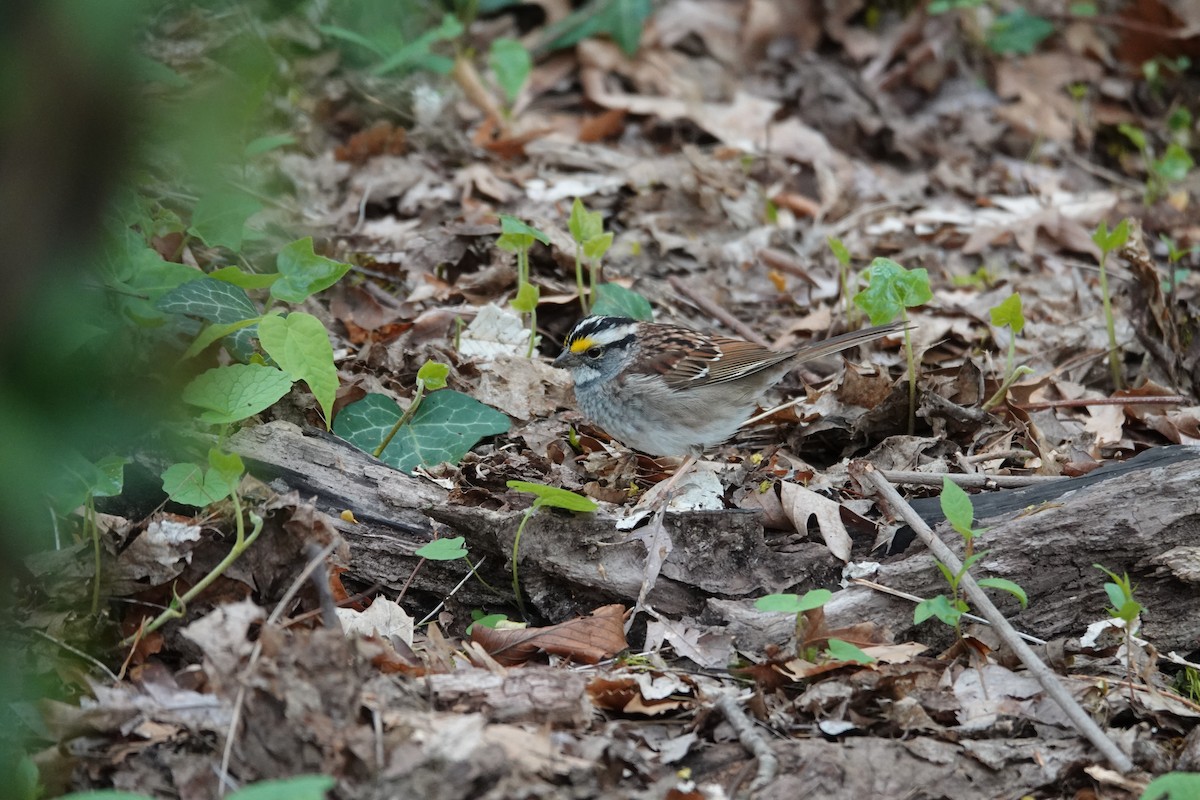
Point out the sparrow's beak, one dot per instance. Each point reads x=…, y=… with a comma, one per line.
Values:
x=563, y=358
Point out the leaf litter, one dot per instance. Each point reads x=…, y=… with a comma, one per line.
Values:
x=702, y=167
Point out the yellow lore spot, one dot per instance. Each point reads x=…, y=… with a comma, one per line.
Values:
x=579, y=345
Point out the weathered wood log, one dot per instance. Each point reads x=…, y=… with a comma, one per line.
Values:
x=1142, y=521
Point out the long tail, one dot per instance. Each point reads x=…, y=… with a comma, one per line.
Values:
x=844, y=341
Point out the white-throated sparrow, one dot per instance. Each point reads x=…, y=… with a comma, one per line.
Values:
x=669, y=390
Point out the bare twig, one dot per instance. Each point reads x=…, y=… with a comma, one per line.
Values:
x=974, y=481
x=721, y=315
x=1048, y=680
x=474, y=570
x=1084, y=402
x=76, y=651
x=751, y=739
x=1000, y=454
x=786, y=262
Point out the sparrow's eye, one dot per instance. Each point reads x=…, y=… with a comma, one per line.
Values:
x=593, y=352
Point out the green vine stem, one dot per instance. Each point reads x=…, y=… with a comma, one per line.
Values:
x=1114, y=362
x=516, y=580
x=179, y=604
x=404, y=418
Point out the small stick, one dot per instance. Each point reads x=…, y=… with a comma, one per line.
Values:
x=973, y=481
x=786, y=262
x=720, y=314
x=1048, y=680
x=76, y=651
x=473, y=571
x=1083, y=402
x=750, y=739
x=1001, y=454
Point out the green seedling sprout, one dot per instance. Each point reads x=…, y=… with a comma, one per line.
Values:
x=178, y=605
x=432, y=376
x=835, y=649
x=1109, y=241
x=1124, y=608
x=1008, y=313
x=591, y=242
x=960, y=513
x=1161, y=173
x=1174, y=255
x=843, y=258
x=544, y=497
x=516, y=236
x=511, y=65
x=891, y=291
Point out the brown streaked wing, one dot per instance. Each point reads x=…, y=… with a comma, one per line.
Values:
x=701, y=366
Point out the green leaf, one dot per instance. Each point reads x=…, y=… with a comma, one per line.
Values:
x=1134, y=134
x=839, y=650
x=433, y=375
x=614, y=300
x=304, y=787
x=265, y=144
x=112, y=476
x=243, y=350
x=444, y=549
x=939, y=607
x=793, y=604
x=1008, y=312
x=1108, y=241
x=839, y=250
x=553, y=497
x=514, y=226
x=218, y=302
x=246, y=280
x=597, y=246
x=236, y=391
x=353, y=37
x=444, y=429
x=193, y=485
x=1083, y=9
x=511, y=63
x=956, y=505
x=526, y=299
x=1006, y=585
x=486, y=620
x=209, y=299
x=300, y=345
x=76, y=479
x=1173, y=785
x=141, y=276
x=418, y=51
x=219, y=218
x=227, y=467
x=1174, y=165
x=584, y=225
x=890, y=289
x=303, y=273
x=1116, y=595
x=973, y=559
x=622, y=20
x=1018, y=32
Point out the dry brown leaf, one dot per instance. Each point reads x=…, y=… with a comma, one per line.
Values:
x=588, y=639
x=648, y=694
x=799, y=504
